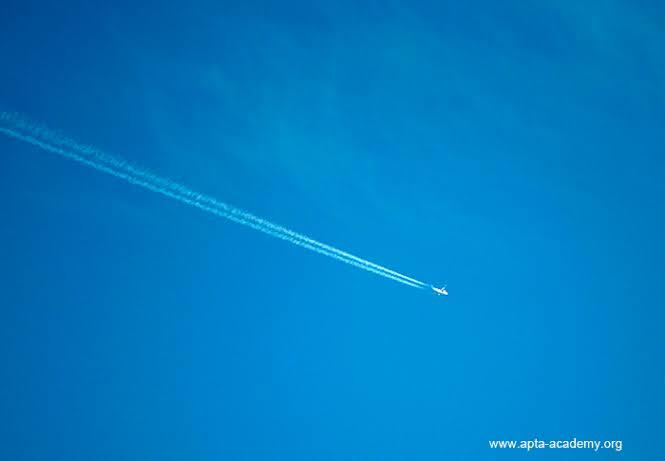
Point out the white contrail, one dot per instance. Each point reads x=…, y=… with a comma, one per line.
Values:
x=103, y=158
x=53, y=142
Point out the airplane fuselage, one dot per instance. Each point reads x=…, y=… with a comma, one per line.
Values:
x=440, y=291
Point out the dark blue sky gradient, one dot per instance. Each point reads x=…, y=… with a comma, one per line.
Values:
x=510, y=149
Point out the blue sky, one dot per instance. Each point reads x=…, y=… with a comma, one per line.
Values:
x=513, y=150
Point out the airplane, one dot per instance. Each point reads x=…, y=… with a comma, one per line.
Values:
x=440, y=291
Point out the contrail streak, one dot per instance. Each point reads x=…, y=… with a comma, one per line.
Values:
x=50, y=141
